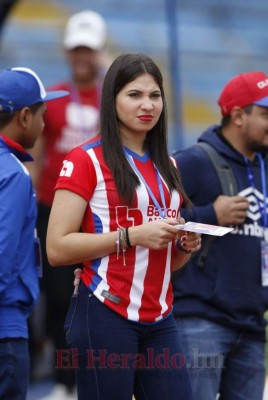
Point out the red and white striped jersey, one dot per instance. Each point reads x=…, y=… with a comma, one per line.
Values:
x=140, y=291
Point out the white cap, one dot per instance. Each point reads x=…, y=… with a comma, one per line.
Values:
x=86, y=28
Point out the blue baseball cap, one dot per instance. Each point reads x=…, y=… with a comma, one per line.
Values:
x=22, y=87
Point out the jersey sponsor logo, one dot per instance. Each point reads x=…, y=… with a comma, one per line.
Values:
x=67, y=168
x=153, y=213
x=134, y=215
x=256, y=203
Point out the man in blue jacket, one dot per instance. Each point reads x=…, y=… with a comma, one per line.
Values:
x=22, y=105
x=220, y=306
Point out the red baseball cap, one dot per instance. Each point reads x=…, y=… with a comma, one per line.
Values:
x=244, y=89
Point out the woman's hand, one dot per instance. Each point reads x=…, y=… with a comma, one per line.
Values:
x=77, y=278
x=154, y=234
x=159, y=233
x=188, y=242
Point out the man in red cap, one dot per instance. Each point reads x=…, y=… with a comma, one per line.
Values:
x=220, y=302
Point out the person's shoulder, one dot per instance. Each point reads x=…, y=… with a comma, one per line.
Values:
x=93, y=143
x=192, y=158
x=193, y=150
x=81, y=158
x=11, y=167
x=82, y=151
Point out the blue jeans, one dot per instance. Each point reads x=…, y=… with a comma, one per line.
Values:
x=222, y=361
x=115, y=358
x=14, y=369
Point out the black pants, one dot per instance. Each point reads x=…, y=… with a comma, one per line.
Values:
x=57, y=287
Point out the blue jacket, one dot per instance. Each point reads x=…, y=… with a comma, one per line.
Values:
x=228, y=289
x=19, y=286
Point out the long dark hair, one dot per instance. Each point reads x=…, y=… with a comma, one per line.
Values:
x=125, y=69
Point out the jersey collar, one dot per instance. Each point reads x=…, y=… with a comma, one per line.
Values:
x=16, y=149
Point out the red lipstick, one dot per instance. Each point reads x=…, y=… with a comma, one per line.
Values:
x=145, y=118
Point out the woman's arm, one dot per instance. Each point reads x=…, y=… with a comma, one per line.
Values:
x=65, y=243
x=179, y=260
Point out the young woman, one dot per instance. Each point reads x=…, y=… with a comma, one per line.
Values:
x=115, y=210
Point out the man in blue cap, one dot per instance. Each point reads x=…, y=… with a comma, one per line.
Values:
x=22, y=105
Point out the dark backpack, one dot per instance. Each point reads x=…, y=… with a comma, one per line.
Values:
x=229, y=188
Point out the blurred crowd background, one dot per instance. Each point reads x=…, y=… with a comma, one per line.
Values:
x=199, y=46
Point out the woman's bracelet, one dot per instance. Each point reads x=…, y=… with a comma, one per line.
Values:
x=121, y=243
x=179, y=246
x=127, y=238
